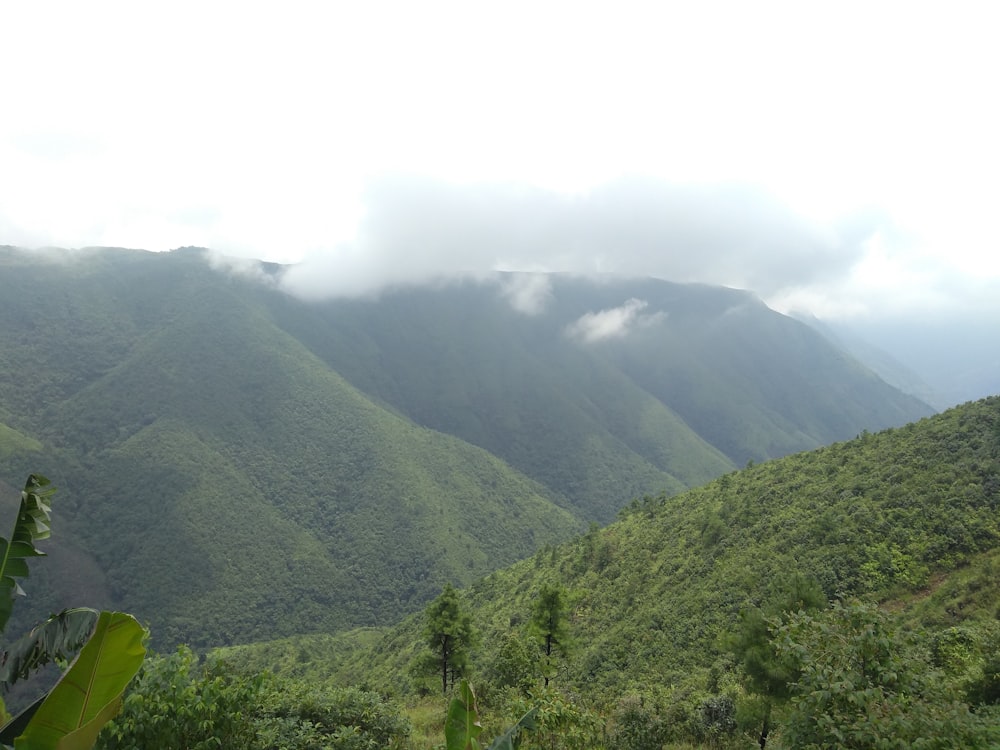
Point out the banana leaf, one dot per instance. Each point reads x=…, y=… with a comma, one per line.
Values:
x=33, y=518
x=89, y=694
x=462, y=726
x=58, y=638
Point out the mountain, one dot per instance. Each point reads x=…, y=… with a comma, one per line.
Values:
x=886, y=366
x=908, y=516
x=954, y=352
x=237, y=463
x=683, y=382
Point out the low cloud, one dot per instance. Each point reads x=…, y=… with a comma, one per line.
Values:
x=246, y=268
x=615, y=322
x=528, y=293
x=417, y=230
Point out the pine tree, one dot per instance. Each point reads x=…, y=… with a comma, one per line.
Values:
x=550, y=623
x=449, y=633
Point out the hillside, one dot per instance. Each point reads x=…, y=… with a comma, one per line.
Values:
x=218, y=474
x=909, y=516
x=236, y=464
x=694, y=381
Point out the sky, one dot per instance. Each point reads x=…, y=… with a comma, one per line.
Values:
x=836, y=158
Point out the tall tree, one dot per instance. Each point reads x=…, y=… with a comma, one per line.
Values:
x=449, y=633
x=769, y=673
x=550, y=623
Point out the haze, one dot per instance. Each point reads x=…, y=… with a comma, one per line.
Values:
x=838, y=161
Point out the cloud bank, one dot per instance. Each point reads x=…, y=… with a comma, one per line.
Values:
x=418, y=230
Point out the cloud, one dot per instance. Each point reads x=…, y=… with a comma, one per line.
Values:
x=246, y=268
x=528, y=293
x=416, y=230
x=615, y=322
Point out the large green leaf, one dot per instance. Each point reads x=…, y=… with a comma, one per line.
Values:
x=32, y=524
x=462, y=725
x=58, y=638
x=89, y=694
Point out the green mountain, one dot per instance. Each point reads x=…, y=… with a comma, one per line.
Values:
x=702, y=379
x=907, y=516
x=235, y=463
x=227, y=483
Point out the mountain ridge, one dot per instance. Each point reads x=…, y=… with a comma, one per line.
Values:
x=387, y=445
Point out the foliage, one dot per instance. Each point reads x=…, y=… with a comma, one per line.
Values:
x=637, y=725
x=985, y=689
x=514, y=664
x=387, y=445
x=561, y=723
x=769, y=672
x=176, y=702
x=179, y=701
x=53, y=640
x=32, y=525
x=549, y=624
x=655, y=602
x=341, y=718
x=862, y=685
x=462, y=727
x=89, y=692
x=449, y=636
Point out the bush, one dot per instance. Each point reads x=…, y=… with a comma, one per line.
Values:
x=178, y=701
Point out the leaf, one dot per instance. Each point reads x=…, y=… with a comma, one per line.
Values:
x=32, y=524
x=510, y=740
x=59, y=637
x=89, y=694
x=462, y=725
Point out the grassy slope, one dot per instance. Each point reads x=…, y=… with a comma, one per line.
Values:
x=910, y=516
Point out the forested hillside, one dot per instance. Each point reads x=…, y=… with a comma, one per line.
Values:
x=235, y=463
x=909, y=517
x=606, y=390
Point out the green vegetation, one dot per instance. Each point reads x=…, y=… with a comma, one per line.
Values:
x=769, y=673
x=861, y=685
x=449, y=636
x=89, y=692
x=549, y=623
x=179, y=702
x=384, y=447
x=295, y=470
x=12, y=441
x=908, y=517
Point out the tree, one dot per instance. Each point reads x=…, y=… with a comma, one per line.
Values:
x=89, y=693
x=450, y=635
x=770, y=673
x=550, y=623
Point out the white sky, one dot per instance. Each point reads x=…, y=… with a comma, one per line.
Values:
x=259, y=130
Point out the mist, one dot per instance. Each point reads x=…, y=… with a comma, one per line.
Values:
x=417, y=231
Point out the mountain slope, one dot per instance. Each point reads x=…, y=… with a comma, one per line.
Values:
x=700, y=380
x=911, y=514
x=241, y=464
x=220, y=476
